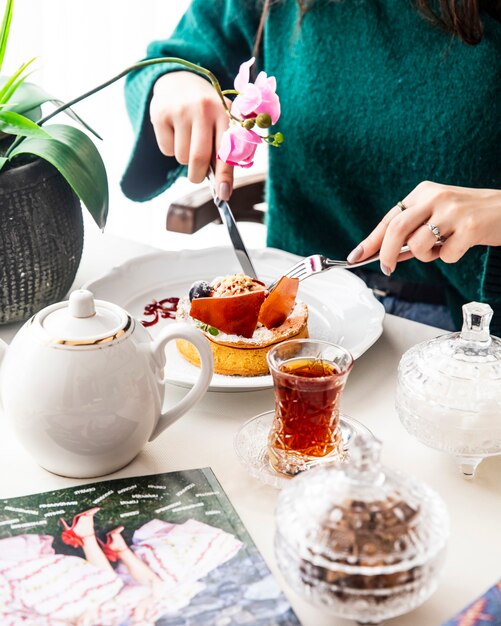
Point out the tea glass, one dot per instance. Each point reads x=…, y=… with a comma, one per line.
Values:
x=308, y=378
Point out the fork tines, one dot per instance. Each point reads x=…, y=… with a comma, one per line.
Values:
x=307, y=266
x=297, y=271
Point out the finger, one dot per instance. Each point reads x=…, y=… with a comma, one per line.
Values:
x=453, y=249
x=372, y=243
x=182, y=139
x=405, y=256
x=398, y=233
x=422, y=244
x=164, y=134
x=435, y=253
x=200, y=151
x=223, y=171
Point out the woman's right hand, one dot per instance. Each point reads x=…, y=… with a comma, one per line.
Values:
x=189, y=120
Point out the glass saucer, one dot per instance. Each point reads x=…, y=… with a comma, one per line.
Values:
x=251, y=446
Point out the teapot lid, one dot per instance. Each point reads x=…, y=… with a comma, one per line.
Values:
x=361, y=514
x=83, y=321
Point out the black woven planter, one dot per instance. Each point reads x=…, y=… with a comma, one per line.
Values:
x=41, y=239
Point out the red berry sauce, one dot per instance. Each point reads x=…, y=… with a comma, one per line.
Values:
x=165, y=309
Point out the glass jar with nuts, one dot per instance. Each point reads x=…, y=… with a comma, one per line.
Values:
x=361, y=540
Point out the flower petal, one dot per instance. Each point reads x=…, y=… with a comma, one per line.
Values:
x=244, y=134
x=238, y=146
x=265, y=82
x=248, y=100
x=225, y=146
x=242, y=78
x=271, y=105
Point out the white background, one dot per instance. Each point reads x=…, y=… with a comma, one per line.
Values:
x=78, y=45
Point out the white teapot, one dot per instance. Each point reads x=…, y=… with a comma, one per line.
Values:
x=82, y=383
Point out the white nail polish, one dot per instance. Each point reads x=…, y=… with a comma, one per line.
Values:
x=386, y=270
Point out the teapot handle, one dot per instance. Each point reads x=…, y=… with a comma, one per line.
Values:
x=194, y=336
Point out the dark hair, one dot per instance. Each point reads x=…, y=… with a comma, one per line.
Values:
x=460, y=18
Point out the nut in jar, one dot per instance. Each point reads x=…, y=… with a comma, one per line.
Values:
x=361, y=540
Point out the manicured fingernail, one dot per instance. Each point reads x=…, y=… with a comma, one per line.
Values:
x=224, y=191
x=355, y=254
x=385, y=270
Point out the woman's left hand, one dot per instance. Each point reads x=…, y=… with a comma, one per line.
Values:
x=456, y=217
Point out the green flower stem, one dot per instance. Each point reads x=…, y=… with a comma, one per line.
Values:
x=137, y=66
x=228, y=92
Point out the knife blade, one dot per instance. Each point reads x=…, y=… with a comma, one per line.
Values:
x=229, y=221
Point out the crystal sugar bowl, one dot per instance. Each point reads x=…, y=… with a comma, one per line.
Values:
x=359, y=540
x=449, y=391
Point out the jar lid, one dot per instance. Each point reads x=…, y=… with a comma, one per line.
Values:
x=83, y=321
x=459, y=370
x=361, y=515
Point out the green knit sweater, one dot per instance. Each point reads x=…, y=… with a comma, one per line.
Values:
x=374, y=101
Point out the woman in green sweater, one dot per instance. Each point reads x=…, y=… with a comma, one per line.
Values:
x=376, y=102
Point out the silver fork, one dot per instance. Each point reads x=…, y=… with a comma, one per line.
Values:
x=317, y=263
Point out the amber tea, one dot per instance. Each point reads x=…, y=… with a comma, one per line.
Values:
x=307, y=409
x=306, y=425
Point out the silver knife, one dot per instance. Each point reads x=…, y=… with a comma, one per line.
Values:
x=228, y=219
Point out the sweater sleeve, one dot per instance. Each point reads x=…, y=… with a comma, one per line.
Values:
x=217, y=35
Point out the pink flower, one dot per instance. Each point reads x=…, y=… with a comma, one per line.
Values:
x=257, y=97
x=238, y=146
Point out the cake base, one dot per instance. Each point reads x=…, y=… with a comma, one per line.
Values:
x=232, y=361
x=235, y=355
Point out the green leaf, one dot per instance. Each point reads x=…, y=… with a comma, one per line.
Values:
x=205, y=327
x=13, y=83
x=30, y=97
x=71, y=113
x=71, y=152
x=12, y=89
x=14, y=124
x=3, y=161
x=5, y=28
x=27, y=101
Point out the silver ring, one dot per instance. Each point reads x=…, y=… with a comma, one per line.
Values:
x=401, y=206
x=435, y=230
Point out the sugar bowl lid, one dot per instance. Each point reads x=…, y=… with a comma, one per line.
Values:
x=361, y=515
x=459, y=370
x=82, y=321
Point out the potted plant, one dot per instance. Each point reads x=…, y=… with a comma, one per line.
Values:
x=46, y=170
x=44, y=174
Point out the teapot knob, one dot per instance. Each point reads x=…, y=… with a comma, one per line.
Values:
x=81, y=303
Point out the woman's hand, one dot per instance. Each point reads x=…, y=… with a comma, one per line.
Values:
x=463, y=218
x=189, y=120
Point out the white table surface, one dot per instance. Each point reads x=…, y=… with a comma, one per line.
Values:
x=204, y=438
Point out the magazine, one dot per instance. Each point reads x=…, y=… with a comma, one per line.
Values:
x=166, y=550
x=484, y=611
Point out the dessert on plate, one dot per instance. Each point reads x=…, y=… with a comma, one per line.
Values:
x=242, y=319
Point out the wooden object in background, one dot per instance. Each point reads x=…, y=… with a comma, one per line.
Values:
x=195, y=210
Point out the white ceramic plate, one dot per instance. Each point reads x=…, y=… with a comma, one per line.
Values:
x=341, y=308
